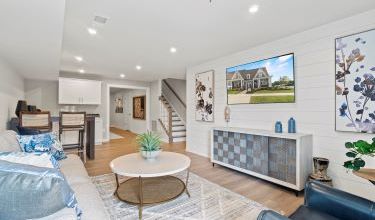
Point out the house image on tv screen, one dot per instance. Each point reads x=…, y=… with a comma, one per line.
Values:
x=264, y=81
x=249, y=79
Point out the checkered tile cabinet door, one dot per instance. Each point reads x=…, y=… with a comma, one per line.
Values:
x=282, y=159
x=245, y=151
x=274, y=157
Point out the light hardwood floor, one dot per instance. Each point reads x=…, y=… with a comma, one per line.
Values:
x=268, y=194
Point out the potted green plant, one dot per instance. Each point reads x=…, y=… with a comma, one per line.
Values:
x=149, y=145
x=357, y=150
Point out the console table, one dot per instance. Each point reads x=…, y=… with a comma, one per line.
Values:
x=281, y=158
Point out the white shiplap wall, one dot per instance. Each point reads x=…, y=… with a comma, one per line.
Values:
x=314, y=109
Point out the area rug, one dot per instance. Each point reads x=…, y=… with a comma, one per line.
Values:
x=114, y=136
x=208, y=201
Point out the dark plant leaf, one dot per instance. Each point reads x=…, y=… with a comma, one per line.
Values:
x=349, y=145
x=351, y=154
x=348, y=164
x=360, y=111
x=358, y=162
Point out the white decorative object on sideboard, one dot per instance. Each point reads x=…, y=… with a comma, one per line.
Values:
x=281, y=158
x=79, y=91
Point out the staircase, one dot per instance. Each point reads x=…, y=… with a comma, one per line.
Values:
x=172, y=114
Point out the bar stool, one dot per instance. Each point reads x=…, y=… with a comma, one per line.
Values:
x=35, y=121
x=74, y=122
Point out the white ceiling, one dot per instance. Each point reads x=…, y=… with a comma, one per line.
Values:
x=140, y=32
x=31, y=36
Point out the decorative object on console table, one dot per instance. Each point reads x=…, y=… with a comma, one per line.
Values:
x=292, y=125
x=357, y=151
x=354, y=82
x=320, y=171
x=204, y=96
x=279, y=158
x=227, y=114
x=149, y=145
x=21, y=107
x=139, y=106
x=278, y=127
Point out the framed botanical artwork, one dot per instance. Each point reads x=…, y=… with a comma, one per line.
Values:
x=204, y=96
x=139, y=107
x=355, y=82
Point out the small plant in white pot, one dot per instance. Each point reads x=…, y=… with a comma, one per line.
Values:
x=149, y=145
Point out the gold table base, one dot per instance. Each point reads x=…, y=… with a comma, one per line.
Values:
x=145, y=191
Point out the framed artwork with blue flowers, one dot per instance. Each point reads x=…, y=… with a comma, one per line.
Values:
x=355, y=82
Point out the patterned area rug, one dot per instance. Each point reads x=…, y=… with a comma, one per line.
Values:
x=207, y=201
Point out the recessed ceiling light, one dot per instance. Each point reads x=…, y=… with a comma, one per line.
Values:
x=92, y=31
x=122, y=75
x=173, y=50
x=81, y=71
x=78, y=58
x=254, y=9
x=138, y=67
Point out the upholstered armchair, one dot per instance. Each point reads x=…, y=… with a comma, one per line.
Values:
x=323, y=202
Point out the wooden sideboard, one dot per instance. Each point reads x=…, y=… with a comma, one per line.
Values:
x=281, y=158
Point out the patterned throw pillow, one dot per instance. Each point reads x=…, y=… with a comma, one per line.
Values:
x=39, y=160
x=42, y=143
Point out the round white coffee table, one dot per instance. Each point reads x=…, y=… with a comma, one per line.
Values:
x=151, y=182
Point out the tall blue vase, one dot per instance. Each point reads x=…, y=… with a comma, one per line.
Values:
x=292, y=125
x=278, y=127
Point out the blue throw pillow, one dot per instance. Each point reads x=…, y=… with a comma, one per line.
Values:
x=29, y=192
x=41, y=143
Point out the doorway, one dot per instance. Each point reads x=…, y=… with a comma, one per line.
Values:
x=128, y=109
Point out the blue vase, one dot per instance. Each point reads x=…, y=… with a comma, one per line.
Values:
x=278, y=127
x=292, y=125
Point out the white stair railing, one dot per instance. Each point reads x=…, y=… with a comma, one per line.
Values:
x=165, y=119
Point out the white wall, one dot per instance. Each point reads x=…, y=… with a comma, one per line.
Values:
x=179, y=86
x=125, y=120
x=155, y=94
x=43, y=94
x=314, y=109
x=11, y=90
x=119, y=120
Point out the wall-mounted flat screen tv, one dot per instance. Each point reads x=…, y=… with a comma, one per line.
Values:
x=265, y=81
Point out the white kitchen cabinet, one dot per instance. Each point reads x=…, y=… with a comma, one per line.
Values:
x=79, y=91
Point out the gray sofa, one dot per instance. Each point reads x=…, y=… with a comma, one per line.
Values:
x=87, y=195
